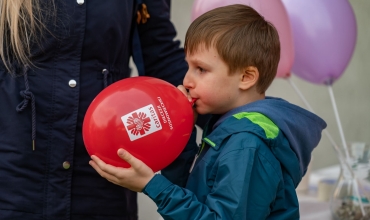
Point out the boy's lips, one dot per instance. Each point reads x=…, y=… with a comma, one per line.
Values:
x=193, y=101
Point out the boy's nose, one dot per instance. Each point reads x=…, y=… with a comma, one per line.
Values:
x=187, y=82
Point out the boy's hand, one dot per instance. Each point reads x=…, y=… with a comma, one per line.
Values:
x=185, y=92
x=134, y=178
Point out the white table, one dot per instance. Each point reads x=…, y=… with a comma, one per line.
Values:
x=311, y=208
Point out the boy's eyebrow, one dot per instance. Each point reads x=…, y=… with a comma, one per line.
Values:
x=198, y=62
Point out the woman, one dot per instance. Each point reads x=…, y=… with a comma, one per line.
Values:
x=56, y=56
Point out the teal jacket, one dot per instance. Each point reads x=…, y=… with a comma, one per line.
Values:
x=247, y=167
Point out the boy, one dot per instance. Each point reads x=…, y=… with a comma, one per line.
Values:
x=255, y=149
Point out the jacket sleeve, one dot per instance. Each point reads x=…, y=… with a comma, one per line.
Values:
x=163, y=58
x=178, y=171
x=244, y=187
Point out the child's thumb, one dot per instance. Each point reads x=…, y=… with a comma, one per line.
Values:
x=125, y=155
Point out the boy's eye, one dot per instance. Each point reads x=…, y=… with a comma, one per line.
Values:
x=201, y=69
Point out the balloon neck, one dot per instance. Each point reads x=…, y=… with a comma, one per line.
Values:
x=329, y=82
x=193, y=101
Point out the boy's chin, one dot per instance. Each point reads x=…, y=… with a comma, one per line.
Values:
x=203, y=111
x=207, y=110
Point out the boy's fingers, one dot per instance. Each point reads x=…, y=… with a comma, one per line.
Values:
x=125, y=155
x=101, y=167
x=184, y=91
x=97, y=168
x=105, y=170
x=182, y=88
x=101, y=164
x=98, y=163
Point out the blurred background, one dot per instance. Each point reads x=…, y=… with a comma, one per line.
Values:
x=351, y=92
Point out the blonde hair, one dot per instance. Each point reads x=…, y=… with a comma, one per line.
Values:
x=19, y=25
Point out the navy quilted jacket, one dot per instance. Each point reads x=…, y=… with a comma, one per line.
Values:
x=87, y=46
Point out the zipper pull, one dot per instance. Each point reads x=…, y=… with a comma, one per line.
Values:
x=196, y=156
x=192, y=165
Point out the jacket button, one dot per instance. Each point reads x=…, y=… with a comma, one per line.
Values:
x=80, y=2
x=66, y=165
x=105, y=71
x=72, y=83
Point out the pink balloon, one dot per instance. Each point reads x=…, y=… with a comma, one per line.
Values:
x=324, y=33
x=274, y=12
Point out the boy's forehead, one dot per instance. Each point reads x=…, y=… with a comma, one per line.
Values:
x=203, y=56
x=200, y=48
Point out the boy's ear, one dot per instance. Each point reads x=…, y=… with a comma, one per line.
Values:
x=249, y=77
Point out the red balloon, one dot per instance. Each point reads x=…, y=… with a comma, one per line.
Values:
x=148, y=117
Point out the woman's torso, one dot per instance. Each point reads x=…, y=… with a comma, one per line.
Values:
x=86, y=39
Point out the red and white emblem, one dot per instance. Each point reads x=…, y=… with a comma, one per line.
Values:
x=141, y=122
x=138, y=123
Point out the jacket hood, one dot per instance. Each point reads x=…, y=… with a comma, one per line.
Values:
x=301, y=128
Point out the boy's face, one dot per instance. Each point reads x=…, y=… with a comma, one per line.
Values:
x=208, y=80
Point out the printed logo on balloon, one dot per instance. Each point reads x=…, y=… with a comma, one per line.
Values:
x=139, y=123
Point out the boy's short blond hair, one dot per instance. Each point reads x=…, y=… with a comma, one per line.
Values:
x=241, y=36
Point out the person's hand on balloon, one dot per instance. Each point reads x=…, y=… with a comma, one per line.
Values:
x=185, y=92
x=134, y=178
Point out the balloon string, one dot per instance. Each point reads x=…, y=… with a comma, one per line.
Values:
x=310, y=108
x=326, y=132
x=341, y=157
x=343, y=161
x=344, y=143
x=355, y=186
